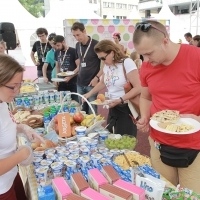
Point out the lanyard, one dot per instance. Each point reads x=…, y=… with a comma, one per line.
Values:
x=43, y=52
x=86, y=50
x=63, y=58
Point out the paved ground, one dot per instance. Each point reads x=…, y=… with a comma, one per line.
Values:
x=143, y=144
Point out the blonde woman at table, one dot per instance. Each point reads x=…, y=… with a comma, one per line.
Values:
x=116, y=64
x=11, y=187
x=3, y=47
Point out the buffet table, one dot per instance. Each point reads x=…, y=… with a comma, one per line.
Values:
x=30, y=183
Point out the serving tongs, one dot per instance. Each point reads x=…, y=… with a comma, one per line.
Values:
x=129, y=164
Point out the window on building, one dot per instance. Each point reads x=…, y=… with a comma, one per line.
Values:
x=95, y=1
x=124, y=17
x=118, y=5
x=90, y=1
x=105, y=4
x=130, y=6
x=104, y=16
x=124, y=6
x=112, y=5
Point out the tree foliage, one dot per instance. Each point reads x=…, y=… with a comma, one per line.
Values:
x=34, y=7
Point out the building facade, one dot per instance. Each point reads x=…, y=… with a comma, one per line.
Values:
x=119, y=9
x=178, y=7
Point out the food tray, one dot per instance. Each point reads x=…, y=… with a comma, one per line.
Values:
x=21, y=94
x=46, y=86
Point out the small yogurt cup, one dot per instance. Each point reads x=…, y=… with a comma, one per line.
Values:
x=84, y=161
x=84, y=150
x=50, y=151
x=57, y=169
x=73, y=157
x=95, y=158
x=71, y=165
x=103, y=162
x=107, y=155
x=42, y=175
x=74, y=151
x=59, y=148
x=103, y=135
x=62, y=159
x=50, y=157
x=71, y=143
x=38, y=153
x=94, y=143
x=84, y=139
x=46, y=163
x=80, y=131
x=103, y=149
x=36, y=161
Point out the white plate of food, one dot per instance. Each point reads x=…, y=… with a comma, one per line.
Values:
x=182, y=126
x=68, y=73
x=58, y=79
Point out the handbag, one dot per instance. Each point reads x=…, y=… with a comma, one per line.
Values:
x=177, y=157
x=135, y=101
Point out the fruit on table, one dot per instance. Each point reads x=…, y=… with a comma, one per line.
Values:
x=78, y=117
x=125, y=142
x=101, y=97
x=71, y=120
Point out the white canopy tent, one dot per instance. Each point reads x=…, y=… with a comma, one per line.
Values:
x=26, y=24
x=70, y=9
x=177, y=26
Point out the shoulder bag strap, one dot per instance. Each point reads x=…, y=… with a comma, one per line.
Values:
x=124, y=70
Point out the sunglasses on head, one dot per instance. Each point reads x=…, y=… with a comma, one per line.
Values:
x=145, y=26
x=104, y=57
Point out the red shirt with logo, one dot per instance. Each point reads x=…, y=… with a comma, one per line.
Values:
x=175, y=87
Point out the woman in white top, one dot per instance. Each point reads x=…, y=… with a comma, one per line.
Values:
x=116, y=64
x=11, y=187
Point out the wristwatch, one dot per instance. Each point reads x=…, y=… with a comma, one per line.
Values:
x=122, y=101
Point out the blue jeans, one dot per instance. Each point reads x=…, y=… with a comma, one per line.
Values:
x=83, y=90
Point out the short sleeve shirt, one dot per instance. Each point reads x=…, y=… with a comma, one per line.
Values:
x=68, y=64
x=41, y=52
x=50, y=60
x=114, y=78
x=175, y=87
x=86, y=74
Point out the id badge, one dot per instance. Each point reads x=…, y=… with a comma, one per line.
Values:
x=43, y=59
x=83, y=64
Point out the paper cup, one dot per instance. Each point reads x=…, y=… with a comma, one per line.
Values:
x=57, y=169
x=80, y=131
x=41, y=174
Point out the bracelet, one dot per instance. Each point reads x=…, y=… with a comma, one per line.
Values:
x=122, y=101
x=97, y=78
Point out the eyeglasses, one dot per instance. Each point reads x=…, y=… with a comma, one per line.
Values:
x=103, y=58
x=145, y=26
x=15, y=88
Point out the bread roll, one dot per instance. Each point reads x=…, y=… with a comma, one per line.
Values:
x=40, y=149
x=36, y=144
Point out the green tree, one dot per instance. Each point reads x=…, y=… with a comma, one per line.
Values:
x=35, y=7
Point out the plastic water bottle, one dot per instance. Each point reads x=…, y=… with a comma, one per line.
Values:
x=65, y=108
x=46, y=193
x=72, y=109
x=46, y=119
x=27, y=103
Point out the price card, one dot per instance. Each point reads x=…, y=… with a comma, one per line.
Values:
x=64, y=125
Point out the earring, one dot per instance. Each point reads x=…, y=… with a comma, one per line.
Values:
x=113, y=58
